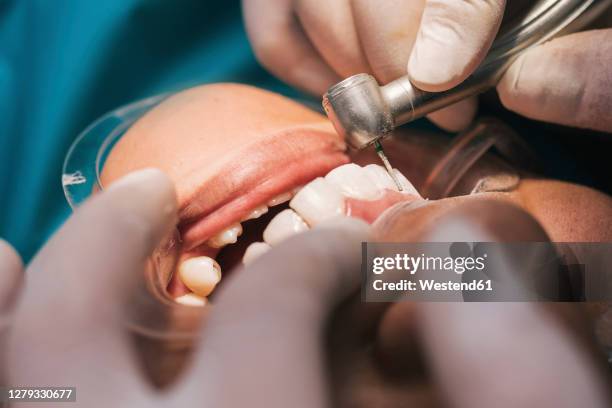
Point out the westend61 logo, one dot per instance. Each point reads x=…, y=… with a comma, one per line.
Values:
x=414, y=264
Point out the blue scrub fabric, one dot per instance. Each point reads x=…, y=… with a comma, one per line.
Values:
x=64, y=63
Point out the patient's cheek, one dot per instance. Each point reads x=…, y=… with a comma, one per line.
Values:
x=568, y=212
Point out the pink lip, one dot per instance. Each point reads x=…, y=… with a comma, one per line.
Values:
x=277, y=164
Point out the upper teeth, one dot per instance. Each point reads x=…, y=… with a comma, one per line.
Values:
x=279, y=199
x=353, y=181
x=317, y=201
x=380, y=177
x=285, y=224
x=228, y=236
x=257, y=212
x=407, y=187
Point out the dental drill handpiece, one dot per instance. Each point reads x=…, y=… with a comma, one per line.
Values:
x=364, y=112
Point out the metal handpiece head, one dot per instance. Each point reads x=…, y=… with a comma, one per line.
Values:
x=358, y=110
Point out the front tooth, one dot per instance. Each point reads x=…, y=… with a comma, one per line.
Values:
x=200, y=274
x=254, y=251
x=353, y=181
x=378, y=174
x=281, y=198
x=191, y=299
x=228, y=236
x=257, y=212
x=407, y=187
x=285, y=224
x=318, y=201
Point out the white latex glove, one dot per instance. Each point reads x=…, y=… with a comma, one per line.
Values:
x=313, y=44
x=68, y=325
x=567, y=81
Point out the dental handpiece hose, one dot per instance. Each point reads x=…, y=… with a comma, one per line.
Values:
x=364, y=112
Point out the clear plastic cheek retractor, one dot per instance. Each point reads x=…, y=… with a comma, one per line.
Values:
x=364, y=112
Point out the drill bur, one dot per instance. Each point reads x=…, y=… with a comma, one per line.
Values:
x=383, y=157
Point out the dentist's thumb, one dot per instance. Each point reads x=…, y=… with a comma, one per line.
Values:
x=453, y=39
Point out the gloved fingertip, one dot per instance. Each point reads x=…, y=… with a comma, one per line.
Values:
x=452, y=41
x=147, y=198
x=426, y=70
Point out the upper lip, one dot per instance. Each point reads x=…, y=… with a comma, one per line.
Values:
x=254, y=175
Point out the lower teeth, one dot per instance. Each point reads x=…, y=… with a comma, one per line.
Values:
x=191, y=299
x=200, y=274
x=280, y=199
x=254, y=251
x=256, y=213
x=285, y=224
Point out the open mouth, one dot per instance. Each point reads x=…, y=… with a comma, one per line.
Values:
x=271, y=200
x=251, y=168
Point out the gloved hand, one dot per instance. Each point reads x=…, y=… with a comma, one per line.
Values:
x=313, y=44
x=566, y=81
x=68, y=326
